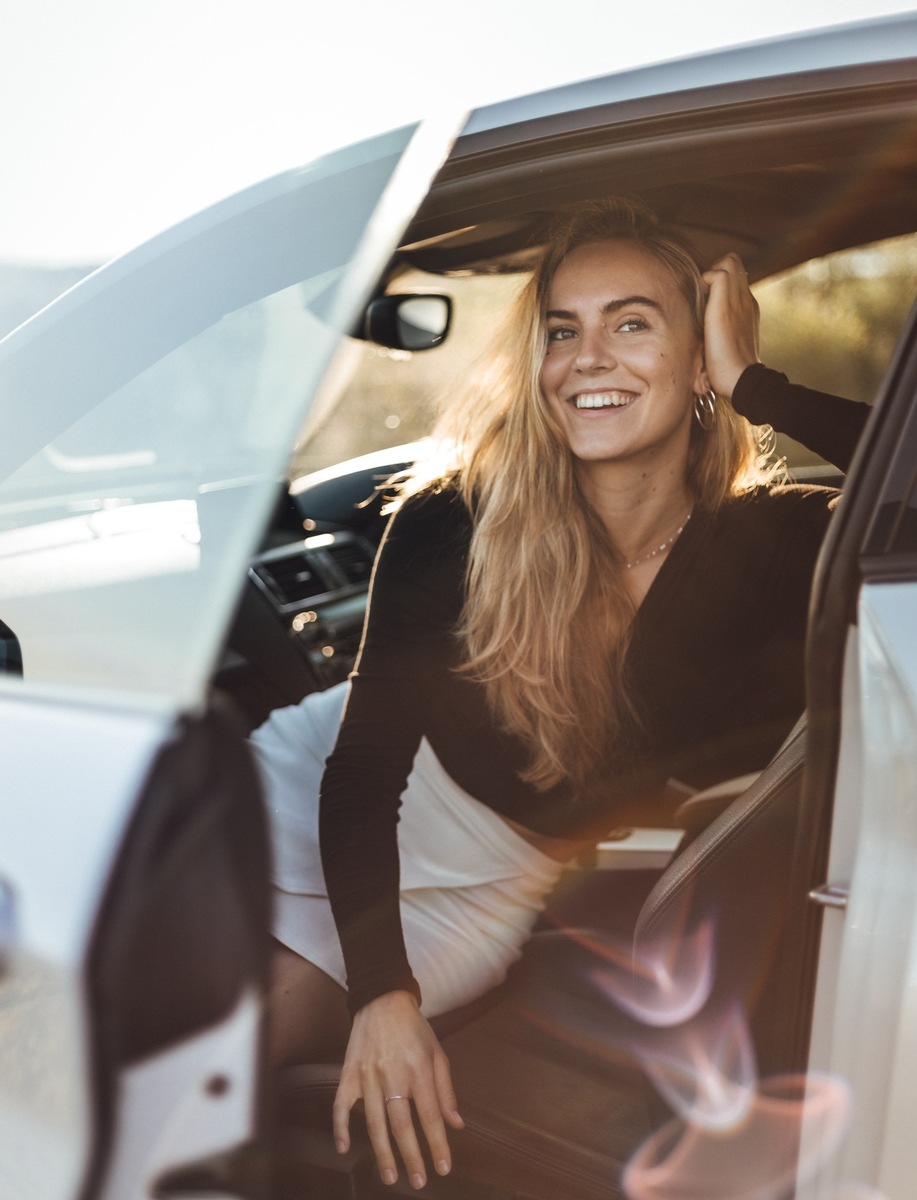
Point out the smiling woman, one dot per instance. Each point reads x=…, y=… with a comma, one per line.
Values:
x=543, y=611
x=621, y=368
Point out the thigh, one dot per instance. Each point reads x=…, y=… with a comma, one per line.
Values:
x=307, y=1019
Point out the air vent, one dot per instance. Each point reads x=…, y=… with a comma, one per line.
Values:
x=292, y=578
x=352, y=561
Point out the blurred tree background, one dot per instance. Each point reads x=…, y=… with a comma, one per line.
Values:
x=832, y=323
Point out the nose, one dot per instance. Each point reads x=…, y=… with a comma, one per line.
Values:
x=594, y=351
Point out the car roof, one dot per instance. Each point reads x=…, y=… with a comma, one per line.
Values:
x=782, y=150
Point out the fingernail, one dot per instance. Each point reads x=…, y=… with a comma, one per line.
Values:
x=417, y=1180
x=389, y=1175
x=458, y=1117
x=442, y=1166
x=340, y=1146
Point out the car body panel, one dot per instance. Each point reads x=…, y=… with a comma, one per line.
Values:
x=865, y=1028
x=666, y=85
x=191, y=1101
x=70, y=777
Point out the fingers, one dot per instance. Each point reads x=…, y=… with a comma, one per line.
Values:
x=396, y=1115
x=730, y=324
x=377, y=1125
x=729, y=269
x=448, y=1103
x=402, y=1128
x=344, y=1101
x=730, y=264
x=428, y=1100
x=393, y=1087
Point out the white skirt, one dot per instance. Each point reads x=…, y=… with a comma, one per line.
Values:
x=471, y=886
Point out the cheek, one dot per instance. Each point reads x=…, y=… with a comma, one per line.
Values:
x=550, y=375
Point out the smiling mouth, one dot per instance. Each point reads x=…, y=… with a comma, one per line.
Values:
x=586, y=400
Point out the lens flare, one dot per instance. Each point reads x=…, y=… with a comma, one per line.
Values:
x=670, y=982
x=707, y=1075
x=793, y=1126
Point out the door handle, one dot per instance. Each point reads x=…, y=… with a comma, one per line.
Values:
x=830, y=895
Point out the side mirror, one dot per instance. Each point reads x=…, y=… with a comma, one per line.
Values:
x=416, y=321
x=10, y=653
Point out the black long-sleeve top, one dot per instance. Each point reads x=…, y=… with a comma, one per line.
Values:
x=714, y=669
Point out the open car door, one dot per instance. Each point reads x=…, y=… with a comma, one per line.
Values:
x=855, y=874
x=150, y=415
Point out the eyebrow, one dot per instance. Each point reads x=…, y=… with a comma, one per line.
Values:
x=612, y=306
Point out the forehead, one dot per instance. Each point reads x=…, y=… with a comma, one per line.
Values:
x=599, y=272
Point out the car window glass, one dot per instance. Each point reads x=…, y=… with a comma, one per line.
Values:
x=219, y=398
x=832, y=323
x=154, y=417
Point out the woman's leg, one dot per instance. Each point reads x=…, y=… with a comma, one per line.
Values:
x=308, y=1019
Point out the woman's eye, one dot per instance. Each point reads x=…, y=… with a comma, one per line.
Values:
x=632, y=325
x=560, y=334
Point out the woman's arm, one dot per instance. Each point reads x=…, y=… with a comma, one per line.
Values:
x=829, y=425
x=393, y=1058
x=415, y=602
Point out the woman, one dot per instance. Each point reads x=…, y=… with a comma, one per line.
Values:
x=599, y=593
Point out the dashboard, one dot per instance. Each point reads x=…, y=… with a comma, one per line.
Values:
x=317, y=587
x=298, y=625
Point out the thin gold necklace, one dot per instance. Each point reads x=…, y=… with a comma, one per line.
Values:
x=635, y=562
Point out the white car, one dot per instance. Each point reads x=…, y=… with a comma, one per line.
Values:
x=163, y=586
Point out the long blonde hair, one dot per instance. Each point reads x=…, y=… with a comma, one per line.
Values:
x=547, y=614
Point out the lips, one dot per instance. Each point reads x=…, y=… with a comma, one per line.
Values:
x=598, y=400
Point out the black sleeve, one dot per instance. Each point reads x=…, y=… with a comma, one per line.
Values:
x=828, y=425
x=415, y=600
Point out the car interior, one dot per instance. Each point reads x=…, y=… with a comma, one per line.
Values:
x=552, y=1070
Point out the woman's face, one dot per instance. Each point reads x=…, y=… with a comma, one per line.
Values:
x=623, y=361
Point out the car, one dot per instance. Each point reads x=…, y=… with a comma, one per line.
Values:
x=165, y=583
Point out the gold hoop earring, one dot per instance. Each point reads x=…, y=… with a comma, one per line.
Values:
x=705, y=409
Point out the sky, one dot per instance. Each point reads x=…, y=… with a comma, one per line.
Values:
x=120, y=117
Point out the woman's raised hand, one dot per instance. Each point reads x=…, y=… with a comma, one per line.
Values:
x=730, y=324
x=393, y=1057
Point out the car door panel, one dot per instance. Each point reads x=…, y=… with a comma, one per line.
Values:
x=133, y=861
x=864, y=1023
x=64, y=808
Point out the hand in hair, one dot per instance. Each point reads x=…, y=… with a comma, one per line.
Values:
x=730, y=324
x=393, y=1060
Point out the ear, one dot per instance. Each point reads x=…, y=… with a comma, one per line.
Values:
x=701, y=382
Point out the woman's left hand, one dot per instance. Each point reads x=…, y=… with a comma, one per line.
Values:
x=394, y=1056
x=730, y=324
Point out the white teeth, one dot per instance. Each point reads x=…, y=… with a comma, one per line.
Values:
x=603, y=400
